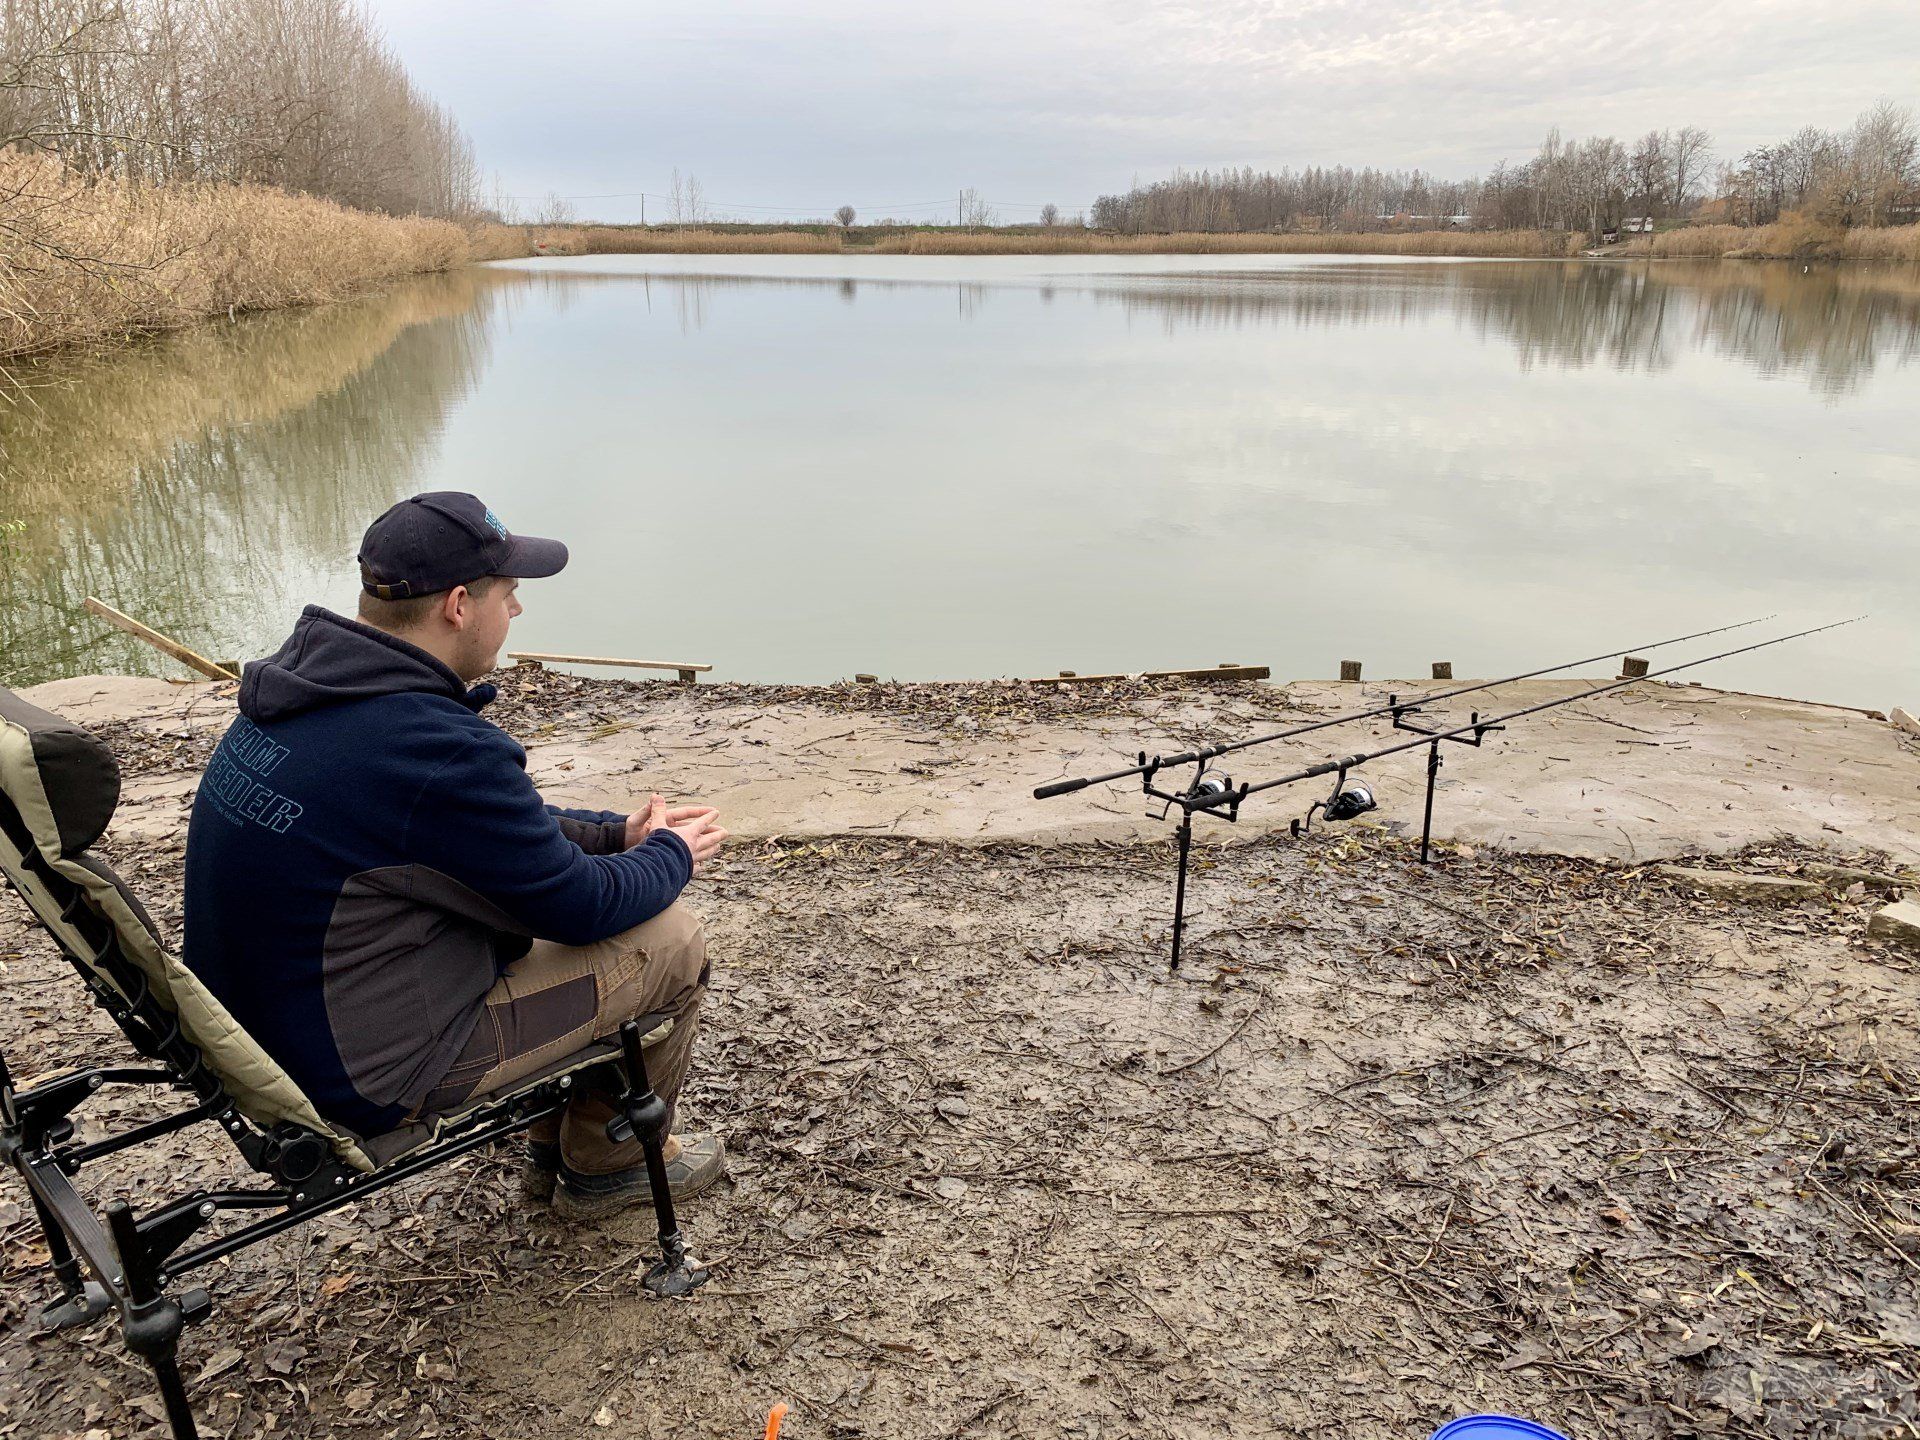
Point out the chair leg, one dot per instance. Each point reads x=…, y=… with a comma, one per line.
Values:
x=151, y=1323
x=646, y=1113
x=82, y=1300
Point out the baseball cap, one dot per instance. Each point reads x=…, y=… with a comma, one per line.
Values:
x=433, y=542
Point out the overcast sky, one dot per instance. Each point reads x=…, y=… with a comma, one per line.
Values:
x=893, y=106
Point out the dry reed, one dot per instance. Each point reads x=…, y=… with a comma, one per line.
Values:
x=631, y=240
x=1515, y=243
x=493, y=242
x=90, y=262
x=1796, y=237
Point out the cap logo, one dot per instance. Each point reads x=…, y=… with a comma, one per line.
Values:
x=494, y=521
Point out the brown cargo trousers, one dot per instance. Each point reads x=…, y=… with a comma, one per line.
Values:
x=557, y=999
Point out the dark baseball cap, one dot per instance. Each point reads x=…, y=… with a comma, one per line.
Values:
x=445, y=538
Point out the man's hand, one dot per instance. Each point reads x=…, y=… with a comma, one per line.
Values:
x=658, y=815
x=698, y=825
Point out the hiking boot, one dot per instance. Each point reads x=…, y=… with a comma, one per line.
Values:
x=694, y=1163
x=539, y=1165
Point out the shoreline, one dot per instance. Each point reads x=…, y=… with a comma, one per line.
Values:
x=180, y=260
x=1649, y=773
x=1885, y=244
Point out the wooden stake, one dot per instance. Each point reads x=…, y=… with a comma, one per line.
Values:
x=1218, y=672
x=164, y=644
x=689, y=671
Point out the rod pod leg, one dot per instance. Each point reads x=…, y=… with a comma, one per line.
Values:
x=1180, y=886
x=150, y=1322
x=1426, y=824
x=646, y=1113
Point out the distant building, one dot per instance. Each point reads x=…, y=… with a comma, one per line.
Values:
x=1637, y=225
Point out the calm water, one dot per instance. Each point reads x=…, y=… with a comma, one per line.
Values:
x=801, y=467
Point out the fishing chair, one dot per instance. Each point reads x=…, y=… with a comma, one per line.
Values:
x=58, y=789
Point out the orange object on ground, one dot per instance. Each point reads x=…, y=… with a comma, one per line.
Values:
x=774, y=1417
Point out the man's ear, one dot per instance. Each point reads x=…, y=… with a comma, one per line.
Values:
x=454, y=608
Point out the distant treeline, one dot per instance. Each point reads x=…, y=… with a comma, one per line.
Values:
x=302, y=95
x=1866, y=175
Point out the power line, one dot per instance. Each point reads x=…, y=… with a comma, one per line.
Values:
x=870, y=208
x=733, y=204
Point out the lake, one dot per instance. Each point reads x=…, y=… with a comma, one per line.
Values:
x=801, y=467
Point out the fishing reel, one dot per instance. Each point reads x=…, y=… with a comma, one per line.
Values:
x=1203, y=794
x=1345, y=803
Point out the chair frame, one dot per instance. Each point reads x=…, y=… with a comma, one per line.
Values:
x=133, y=1261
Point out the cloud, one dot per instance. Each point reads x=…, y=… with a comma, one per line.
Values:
x=801, y=106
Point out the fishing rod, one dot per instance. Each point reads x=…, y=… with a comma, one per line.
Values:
x=1220, y=797
x=1392, y=707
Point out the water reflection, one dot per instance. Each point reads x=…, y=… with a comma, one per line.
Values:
x=973, y=467
x=1831, y=324
x=196, y=481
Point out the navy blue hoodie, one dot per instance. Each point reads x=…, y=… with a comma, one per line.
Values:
x=367, y=853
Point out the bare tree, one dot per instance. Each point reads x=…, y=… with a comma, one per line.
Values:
x=1688, y=150
x=974, y=210
x=301, y=94
x=686, y=201
x=555, y=210
x=1049, y=215
x=844, y=215
x=1805, y=160
x=1882, y=148
x=1647, y=172
x=1597, y=173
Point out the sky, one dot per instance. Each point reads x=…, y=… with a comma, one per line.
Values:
x=793, y=109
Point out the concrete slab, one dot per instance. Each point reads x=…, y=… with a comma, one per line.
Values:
x=1734, y=885
x=1644, y=774
x=1898, y=922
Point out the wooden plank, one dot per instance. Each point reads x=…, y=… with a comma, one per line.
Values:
x=1217, y=672
x=687, y=668
x=166, y=645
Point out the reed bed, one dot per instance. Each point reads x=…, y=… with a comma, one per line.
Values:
x=1525, y=244
x=632, y=240
x=86, y=262
x=1797, y=237
x=1891, y=242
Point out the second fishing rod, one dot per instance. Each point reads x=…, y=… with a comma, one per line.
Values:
x=1394, y=707
x=1218, y=796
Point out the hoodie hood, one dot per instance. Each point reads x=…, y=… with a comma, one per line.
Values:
x=331, y=660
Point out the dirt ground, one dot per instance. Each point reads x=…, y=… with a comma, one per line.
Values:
x=1510, y=1132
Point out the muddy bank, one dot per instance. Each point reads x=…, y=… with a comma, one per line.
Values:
x=1509, y=1132
x=1651, y=772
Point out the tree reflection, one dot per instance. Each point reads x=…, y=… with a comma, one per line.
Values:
x=196, y=481
x=1831, y=324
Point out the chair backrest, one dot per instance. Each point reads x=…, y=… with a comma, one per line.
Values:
x=59, y=786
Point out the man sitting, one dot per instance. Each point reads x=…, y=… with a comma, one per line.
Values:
x=376, y=891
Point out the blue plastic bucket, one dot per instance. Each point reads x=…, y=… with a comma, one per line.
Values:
x=1494, y=1427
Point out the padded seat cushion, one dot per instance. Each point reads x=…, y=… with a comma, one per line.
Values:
x=77, y=772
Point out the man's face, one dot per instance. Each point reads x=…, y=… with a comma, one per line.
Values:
x=484, y=636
